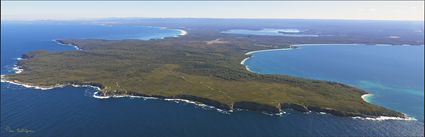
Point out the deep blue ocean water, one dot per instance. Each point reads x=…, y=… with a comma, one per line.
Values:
x=74, y=112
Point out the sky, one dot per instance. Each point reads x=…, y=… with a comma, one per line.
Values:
x=68, y=10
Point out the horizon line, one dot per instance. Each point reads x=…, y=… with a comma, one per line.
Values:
x=229, y=18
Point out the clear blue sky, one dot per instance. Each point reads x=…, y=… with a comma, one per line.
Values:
x=378, y=10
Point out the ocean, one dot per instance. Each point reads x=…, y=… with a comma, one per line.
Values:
x=71, y=111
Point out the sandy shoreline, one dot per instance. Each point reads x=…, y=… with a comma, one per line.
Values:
x=251, y=52
x=366, y=97
x=182, y=32
x=244, y=60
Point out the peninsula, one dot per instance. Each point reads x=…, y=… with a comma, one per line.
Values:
x=202, y=66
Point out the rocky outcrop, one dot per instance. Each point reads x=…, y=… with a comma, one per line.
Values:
x=296, y=107
x=33, y=54
x=302, y=108
x=256, y=107
x=253, y=106
x=205, y=101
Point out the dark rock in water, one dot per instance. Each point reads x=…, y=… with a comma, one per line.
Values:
x=296, y=107
x=256, y=106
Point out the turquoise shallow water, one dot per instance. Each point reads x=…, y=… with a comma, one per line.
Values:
x=393, y=74
x=71, y=112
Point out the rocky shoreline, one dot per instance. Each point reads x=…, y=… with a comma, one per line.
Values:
x=242, y=105
x=269, y=109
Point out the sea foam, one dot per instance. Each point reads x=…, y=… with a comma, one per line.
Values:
x=176, y=100
x=17, y=69
x=383, y=118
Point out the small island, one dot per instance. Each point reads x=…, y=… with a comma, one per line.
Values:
x=203, y=66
